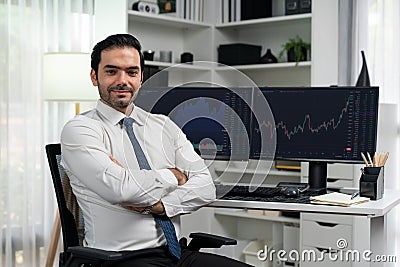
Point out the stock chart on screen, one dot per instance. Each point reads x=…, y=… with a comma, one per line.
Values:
x=331, y=124
x=215, y=119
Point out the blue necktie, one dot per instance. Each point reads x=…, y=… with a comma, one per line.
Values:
x=162, y=220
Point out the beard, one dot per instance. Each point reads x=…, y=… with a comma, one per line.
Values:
x=117, y=102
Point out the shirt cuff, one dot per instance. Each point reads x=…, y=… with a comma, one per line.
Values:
x=172, y=205
x=168, y=179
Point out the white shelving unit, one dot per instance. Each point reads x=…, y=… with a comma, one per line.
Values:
x=270, y=33
x=160, y=32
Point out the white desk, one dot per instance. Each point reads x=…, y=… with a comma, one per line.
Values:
x=369, y=227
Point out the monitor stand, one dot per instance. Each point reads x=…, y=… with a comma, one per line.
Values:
x=317, y=177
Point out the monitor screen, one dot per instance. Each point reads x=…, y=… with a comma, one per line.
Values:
x=332, y=124
x=318, y=125
x=215, y=119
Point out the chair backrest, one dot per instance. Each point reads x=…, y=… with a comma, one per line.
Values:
x=70, y=214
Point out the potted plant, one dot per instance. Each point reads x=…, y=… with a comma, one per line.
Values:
x=296, y=50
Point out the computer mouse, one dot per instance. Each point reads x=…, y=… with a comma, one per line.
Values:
x=291, y=192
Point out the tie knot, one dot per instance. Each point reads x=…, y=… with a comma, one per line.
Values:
x=127, y=121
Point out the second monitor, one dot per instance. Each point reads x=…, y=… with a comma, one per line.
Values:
x=318, y=125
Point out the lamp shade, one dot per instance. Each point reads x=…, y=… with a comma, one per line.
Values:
x=66, y=77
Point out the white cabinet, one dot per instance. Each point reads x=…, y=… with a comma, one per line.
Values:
x=323, y=237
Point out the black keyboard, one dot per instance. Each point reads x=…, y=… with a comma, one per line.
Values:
x=304, y=199
x=244, y=190
x=262, y=194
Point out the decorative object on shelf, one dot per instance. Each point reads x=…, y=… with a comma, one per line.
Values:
x=239, y=54
x=167, y=6
x=297, y=7
x=148, y=55
x=166, y=56
x=149, y=6
x=363, y=77
x=268, y=57
x=296, y=50
x=186, y=57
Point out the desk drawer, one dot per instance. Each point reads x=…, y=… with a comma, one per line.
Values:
x=328, y=218
x=324, y=230
x=313, y=257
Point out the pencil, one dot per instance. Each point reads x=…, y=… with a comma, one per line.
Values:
x=385, y=157
x=365, y=160
x=370, y=160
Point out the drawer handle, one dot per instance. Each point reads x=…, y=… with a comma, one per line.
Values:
x=325, y=224
x=288, y=263
x=327, y=250
x=322, y=249
x=331, y=180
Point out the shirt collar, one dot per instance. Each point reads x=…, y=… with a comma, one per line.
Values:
x=114, y=116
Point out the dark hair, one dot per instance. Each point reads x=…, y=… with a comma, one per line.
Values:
x=115, y=41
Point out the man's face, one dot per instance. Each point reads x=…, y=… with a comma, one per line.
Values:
x=119, y=77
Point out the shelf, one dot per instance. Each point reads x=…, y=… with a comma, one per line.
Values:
x=264, y=21
x=165, y=21
x=244, y=214
x=180, y=66
x=200, y=66
x=283, y=65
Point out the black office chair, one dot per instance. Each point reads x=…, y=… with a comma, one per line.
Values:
x=75, y=254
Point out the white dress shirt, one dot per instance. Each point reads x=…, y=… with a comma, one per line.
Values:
x=101, y=186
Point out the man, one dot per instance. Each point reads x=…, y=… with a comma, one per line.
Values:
x=122, y=191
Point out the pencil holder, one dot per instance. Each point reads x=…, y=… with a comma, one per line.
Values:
x=372, y=182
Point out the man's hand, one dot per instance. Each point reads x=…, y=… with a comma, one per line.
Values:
x=158, y=208
x=180, y=176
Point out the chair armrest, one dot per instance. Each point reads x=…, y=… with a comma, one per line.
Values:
x=94, y=253
x=203, y=240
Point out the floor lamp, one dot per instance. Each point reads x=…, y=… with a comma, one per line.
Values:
x=66, y=78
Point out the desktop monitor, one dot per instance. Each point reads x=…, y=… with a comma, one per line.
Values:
x=215, y=119
x=318, y=125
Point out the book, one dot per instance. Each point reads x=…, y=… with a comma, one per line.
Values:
x=338, y=199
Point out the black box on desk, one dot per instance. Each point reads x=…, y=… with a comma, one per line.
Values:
x=372, y=183
x=297, y=7
x=239, y=54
